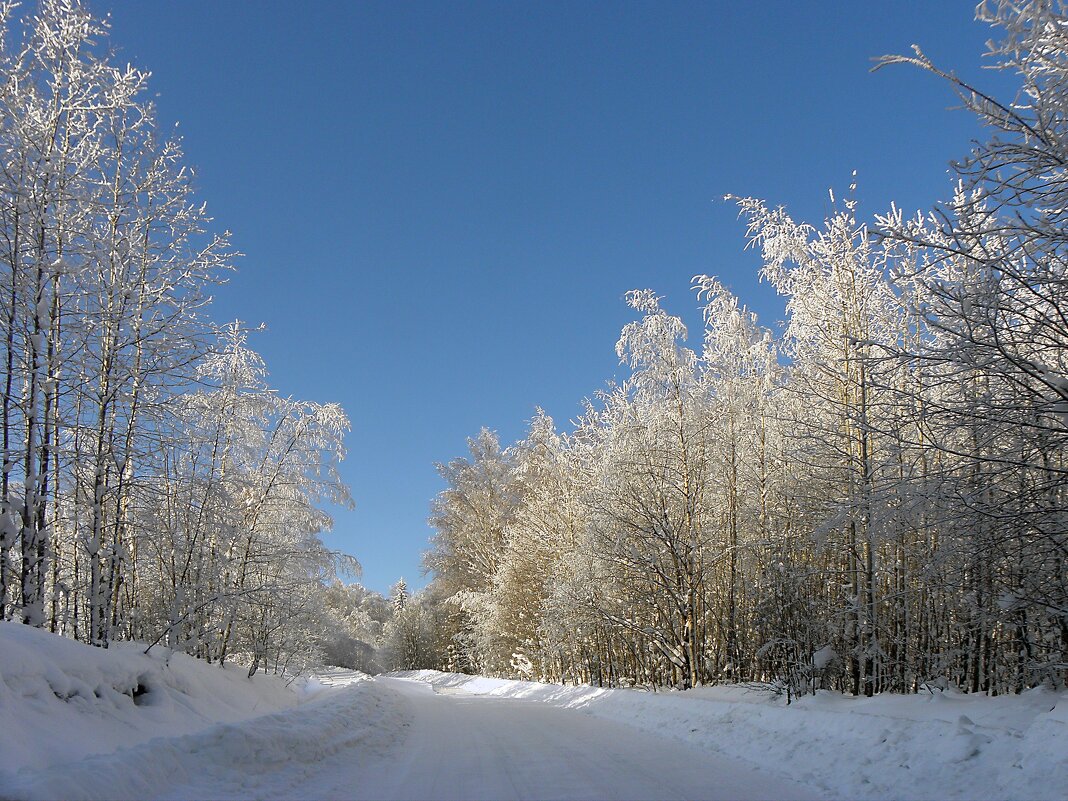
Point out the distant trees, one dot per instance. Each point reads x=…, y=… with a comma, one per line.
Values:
x=353, y=633
x=152, y=485
x=874, y=501
x=471, y=516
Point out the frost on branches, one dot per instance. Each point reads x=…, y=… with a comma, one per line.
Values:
x=874, y=500
x=153, y=487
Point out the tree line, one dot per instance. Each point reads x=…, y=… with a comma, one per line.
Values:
x=873, y=499
x=153, y=486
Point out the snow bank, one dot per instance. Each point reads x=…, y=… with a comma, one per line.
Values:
x=61, y=700
x=81, y=722
x=290, y=744
x=942, y=745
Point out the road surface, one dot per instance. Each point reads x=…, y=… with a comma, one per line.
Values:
x=458, y=746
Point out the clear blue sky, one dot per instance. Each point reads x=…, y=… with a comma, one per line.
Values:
x=442, y=203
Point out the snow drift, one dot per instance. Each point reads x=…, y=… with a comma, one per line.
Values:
x=81, y=722
x=61, y=700
x=289, y=742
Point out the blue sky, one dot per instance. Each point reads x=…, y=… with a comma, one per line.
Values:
x=442, y=204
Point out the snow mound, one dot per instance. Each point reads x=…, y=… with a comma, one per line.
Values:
x=61, y=700
x=81, y=722
x=290, y=744
x=936, y=745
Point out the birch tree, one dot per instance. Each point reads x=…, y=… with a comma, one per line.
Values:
x=995, y=270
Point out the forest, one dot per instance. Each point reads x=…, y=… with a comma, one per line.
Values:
x=870, y=498
x=154, y=487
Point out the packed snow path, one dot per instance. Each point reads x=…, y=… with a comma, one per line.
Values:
x=459, y=746
x=475, y=747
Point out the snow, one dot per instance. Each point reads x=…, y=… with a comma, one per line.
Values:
x=473, y=747
x=61, y=700
x=408, y=741
x=273, y=755
x=85, y=723
x=80, y=722
x=823, y=658
x=340, y=735
x=941, y=744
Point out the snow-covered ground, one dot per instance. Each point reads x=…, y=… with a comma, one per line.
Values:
x=945, y=745
x=340, y=736
x=84, y=723
x=81, y=722
x=61, y=700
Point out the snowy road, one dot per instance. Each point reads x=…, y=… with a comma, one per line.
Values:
x=70, y=728
x=459, y=746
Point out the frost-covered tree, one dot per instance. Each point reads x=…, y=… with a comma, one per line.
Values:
x=353, y=634
x=993, y=268
x=398, y=595
x=152, y=485
x=649, y=491
x=871, y=501
x=470, y=516
x=539, y=537
x=55, y=103
x=741, y=380
x=413, y=638
x=840, y=310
